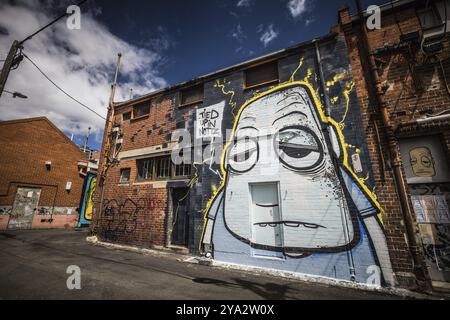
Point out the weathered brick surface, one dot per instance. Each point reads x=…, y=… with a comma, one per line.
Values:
x=25, y=146
x=410, y=94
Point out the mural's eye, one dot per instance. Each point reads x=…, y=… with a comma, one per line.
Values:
x=426, y=161
x=243, y=155
x=413, y=161
x=299, y=148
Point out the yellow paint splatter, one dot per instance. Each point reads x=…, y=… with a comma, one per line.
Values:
x=300, y=64
x=308, y=75
x=335, y=79
x=348, y=89
x=230, y=93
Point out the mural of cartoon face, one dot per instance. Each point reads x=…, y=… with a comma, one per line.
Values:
x=422, y=162
x=279, y=139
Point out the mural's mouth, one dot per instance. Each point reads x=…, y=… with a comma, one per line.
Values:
x=291, y=224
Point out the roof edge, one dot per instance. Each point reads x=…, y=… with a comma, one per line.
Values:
x=226, y=70
x=25, y=120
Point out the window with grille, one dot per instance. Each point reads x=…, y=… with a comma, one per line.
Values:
x=163, y=167
x=262, y=74
x=145, y=169
x=125, y=175
x=126, y=116
x=183, y=170
x=141, y=110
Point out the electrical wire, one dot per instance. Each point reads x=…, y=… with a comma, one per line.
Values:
x=50, y=24
x=59, y=88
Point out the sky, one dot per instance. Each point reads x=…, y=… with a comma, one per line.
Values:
x=163, y=43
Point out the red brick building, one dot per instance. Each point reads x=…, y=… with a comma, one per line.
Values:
x=40, y=184
x=382, y=96
x=402, y=74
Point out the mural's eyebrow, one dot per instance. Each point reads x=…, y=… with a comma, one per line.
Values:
x=290, y=114
x=248, y=127
x=246, y=122
x=290, y=95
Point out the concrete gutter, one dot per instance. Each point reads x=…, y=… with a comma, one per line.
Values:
x=167, y=252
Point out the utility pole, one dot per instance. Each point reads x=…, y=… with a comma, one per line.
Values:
x=107, y=160
x=86, y=140
x=11, y=61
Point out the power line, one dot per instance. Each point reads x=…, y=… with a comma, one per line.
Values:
x=51, y=23
x=59, y=88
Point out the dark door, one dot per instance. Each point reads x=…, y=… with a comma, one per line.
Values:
x=180, y=227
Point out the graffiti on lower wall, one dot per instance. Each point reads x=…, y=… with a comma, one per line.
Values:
x=122, y=217
x=289, y=199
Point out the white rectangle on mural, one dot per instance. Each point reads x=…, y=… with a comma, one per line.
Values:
x=209, y=121
x=431, y=209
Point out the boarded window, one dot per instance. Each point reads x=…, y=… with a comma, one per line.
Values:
x=141, y=110
x=145, y=169
x=125, y=175
x=192, y=95
x=261, y=74
x=126, y=116
x=163, y=167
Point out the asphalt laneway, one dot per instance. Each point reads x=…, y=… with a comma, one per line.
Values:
x=33, y=265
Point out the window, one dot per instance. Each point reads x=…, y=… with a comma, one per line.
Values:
x=126, y=116
x=163, y=167
x=141, y=110
x=183, y=170
x=262, y=74
x=192, y=95
x=145, y=169
x=125, y=175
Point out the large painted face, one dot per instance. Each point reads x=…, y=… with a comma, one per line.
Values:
x=422, y=162
x=282, y=191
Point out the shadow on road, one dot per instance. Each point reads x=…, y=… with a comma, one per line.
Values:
x=271, y=291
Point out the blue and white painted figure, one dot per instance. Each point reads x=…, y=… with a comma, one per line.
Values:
x=288, y=201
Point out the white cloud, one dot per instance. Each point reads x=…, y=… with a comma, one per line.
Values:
x=244, y=3
x=82, y=62
x=298, y=7
x=269, y=35
x=308, y=22
x=238, y=33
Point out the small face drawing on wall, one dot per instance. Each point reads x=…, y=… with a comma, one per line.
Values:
x=422, y=162
x=308, y=213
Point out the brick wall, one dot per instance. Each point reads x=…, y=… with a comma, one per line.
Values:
x=25, y=146
x=413, y=88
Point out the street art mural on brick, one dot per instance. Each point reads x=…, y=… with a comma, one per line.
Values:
x=87, y=206
x=289, y=200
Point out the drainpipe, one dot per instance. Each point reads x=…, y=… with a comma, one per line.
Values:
x=396, y=163
x=350, y=260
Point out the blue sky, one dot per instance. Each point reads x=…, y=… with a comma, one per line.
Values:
x=163, y=43
x=201, y=36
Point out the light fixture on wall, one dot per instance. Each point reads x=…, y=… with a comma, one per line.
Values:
x=48, y=164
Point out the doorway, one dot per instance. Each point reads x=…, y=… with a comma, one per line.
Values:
x=25, y=204
x=266, y=226
x=180, y=223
